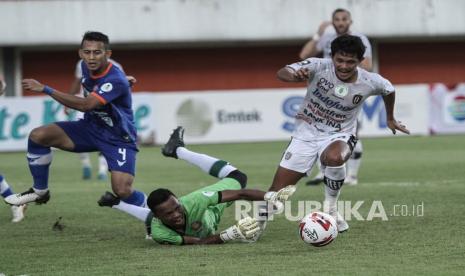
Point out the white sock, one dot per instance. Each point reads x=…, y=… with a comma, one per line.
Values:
x=140, y=213
x=40, y=192
x=334, y=178
x=331, y=196
x=353, y=164
x=102, y=164
x=4, y=186
x=85, y=159
x=204, y=162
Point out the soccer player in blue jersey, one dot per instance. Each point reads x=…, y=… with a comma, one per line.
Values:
x=108, y=125
x=16, y=211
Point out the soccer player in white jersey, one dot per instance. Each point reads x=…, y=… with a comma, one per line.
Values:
x=327, y=118
x=76, y=89
x=320, y=44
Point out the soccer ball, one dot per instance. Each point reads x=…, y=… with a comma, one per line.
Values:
x=318, y=229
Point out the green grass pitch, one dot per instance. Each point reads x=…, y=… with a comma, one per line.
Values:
x=398, y=171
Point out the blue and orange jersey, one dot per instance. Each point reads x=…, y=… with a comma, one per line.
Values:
x=115, y=118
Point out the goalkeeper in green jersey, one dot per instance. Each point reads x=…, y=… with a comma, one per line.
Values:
x=194, y=218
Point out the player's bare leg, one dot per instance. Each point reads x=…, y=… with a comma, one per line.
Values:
x=39, y=157
x=121, y=184
x=284, y=177
x=333, y=159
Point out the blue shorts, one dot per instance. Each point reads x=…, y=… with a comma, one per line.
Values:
x=120, y=156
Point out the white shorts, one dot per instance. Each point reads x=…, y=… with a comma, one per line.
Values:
x=300, y=156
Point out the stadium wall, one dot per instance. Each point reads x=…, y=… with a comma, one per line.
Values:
x=50, y=22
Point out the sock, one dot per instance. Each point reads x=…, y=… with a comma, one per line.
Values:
x=102, y=164
x=85, y=160
x=137, y=198
x=39, y=159
x=141, y=213
x=353, y=164
x=334, y=178
x=213, y=166
x=5, y=189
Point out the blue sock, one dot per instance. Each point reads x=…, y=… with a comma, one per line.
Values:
x=39, y=159
x=137, y=198
x=5, y=189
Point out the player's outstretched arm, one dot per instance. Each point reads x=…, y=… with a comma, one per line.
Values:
x=392, y=123
x=71, y=101
x=287, y=74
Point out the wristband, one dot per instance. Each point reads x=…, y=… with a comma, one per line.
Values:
x=48, y=90
x=316, y=37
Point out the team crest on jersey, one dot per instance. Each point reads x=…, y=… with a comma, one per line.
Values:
x=208, y=194
x=196, y=225
x=288, y=155
x=106, y=87
x=357, y=99
x=341, y=91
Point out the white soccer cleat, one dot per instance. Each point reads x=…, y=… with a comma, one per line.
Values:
x=27, y=197
x=342, y=225
x=351, y=181
x=18, y=212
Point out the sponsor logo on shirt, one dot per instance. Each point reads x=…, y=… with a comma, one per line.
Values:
x=208, y=194
x=106, y=87
x=341, y=91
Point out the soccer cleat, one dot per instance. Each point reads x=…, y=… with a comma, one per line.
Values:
x=27, y=197
x=175, y=141
x=18, y=212
x=351, y=181
x=342, y=225
x=86, y=173
x=108, y=199
x=102, y=176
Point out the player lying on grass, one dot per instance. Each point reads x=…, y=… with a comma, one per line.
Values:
x=194, y=218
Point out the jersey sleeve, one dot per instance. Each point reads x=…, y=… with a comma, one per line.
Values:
x=313, y=64
x=110, y=90
x=163, y=235
x=383, y=86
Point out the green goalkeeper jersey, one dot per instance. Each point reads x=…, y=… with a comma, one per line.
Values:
x=202, y=211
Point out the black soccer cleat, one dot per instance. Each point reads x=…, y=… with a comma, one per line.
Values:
x=108, y=199
x=27, y=197
x=176, y=140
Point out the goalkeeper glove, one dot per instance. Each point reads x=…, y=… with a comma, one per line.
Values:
x=278, y=198
x=244, y=231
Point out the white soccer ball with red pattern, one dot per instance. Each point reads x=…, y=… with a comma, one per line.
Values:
x=318, y=229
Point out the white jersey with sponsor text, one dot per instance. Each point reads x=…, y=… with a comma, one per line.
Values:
x=331, y=105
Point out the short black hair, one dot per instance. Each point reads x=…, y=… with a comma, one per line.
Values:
x=340, y=10
x=348, y=44
x=157, y=197
x=96, y=36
